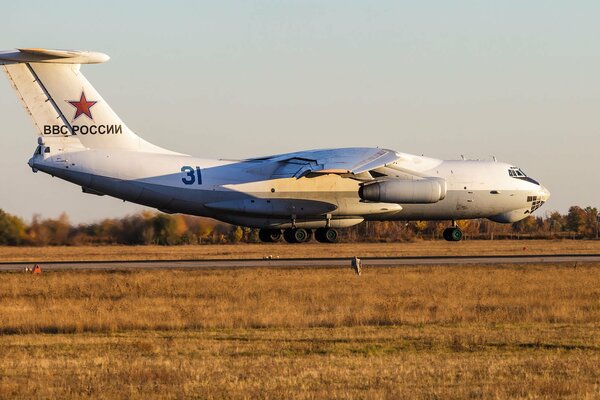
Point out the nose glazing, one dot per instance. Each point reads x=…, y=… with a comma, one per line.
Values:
x=544, y=192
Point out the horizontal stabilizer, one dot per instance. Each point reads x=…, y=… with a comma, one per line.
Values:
x=52, y=56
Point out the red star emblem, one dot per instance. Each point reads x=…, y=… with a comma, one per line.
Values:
x=83, y=106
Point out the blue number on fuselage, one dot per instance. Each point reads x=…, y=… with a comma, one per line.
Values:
x=199, y=175
x=191, y=175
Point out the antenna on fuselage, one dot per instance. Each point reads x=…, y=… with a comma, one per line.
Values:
x=494, y=158
x=462, y=156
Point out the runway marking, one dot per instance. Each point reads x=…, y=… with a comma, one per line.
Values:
x=302, y=262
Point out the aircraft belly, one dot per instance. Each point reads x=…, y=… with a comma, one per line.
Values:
x=460, y=205
x=70, y=175
x=282, y=207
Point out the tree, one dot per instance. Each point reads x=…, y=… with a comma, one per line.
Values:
x=575, y=219
x=526, y=225
x=591, y=222
x=165, y=227
x=12, y=230
x=556, y=222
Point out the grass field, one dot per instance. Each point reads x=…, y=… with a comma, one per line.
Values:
x=313, y=249
x=429, y=332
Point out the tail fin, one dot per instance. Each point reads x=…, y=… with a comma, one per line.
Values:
x=63, y=103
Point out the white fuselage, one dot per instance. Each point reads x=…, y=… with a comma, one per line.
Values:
x=237, y=192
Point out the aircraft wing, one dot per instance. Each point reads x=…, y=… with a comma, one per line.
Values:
x=356, y=162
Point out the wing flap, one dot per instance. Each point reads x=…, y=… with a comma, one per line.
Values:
x=346, y=161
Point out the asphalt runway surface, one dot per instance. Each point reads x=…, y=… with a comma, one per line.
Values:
x=282, y=263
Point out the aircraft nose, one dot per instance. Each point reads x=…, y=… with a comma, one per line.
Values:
x=544, y=192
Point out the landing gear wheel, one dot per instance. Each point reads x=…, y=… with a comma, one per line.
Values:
x=288, y=235
x=302, y=235
x=453, y=234
x=446, y=234
x=326, y=235
x=298, y=235
x=269, y=235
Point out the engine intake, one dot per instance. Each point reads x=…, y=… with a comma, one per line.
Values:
x=429, y=190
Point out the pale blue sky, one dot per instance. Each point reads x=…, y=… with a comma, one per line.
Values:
x=518, y=80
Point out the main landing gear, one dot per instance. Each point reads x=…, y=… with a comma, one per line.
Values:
x=269, y=235
x=298, y=235
x=453, y=234
x=326, y=235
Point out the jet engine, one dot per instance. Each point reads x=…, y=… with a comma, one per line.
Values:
x=422, y=191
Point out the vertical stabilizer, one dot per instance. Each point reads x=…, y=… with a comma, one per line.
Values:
x=63, y=103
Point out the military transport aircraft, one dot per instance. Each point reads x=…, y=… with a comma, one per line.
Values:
x=83, y=141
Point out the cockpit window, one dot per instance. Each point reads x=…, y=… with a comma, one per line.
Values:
x=515, y=172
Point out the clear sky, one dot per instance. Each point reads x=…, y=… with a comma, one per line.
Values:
x=516, y=79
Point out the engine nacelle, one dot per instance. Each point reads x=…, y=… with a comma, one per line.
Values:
x=422, y=191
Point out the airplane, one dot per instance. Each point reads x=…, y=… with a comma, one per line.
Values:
x=83, y=141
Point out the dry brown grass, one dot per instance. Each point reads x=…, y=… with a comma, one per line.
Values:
x=313, y=249
x=110, y=302
x=427, y=332
x=429, y=362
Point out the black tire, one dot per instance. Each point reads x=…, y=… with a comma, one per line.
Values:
x=288, y=235
x=298, y=235
x=302, y=235
x=264, y=236
x=332, y=235
x=448, y=234
x=269, y=235
x=456, y=235
x=320, y=235
x=326, y=235
x=275, y=235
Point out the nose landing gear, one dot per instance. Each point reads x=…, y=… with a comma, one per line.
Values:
x=453, y=234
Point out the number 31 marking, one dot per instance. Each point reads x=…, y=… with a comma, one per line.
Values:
x=191, y=175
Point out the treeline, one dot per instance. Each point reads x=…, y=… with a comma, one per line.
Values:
x=165, y=229
x=138, y=229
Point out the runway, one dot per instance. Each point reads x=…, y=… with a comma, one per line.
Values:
x=282, y=263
